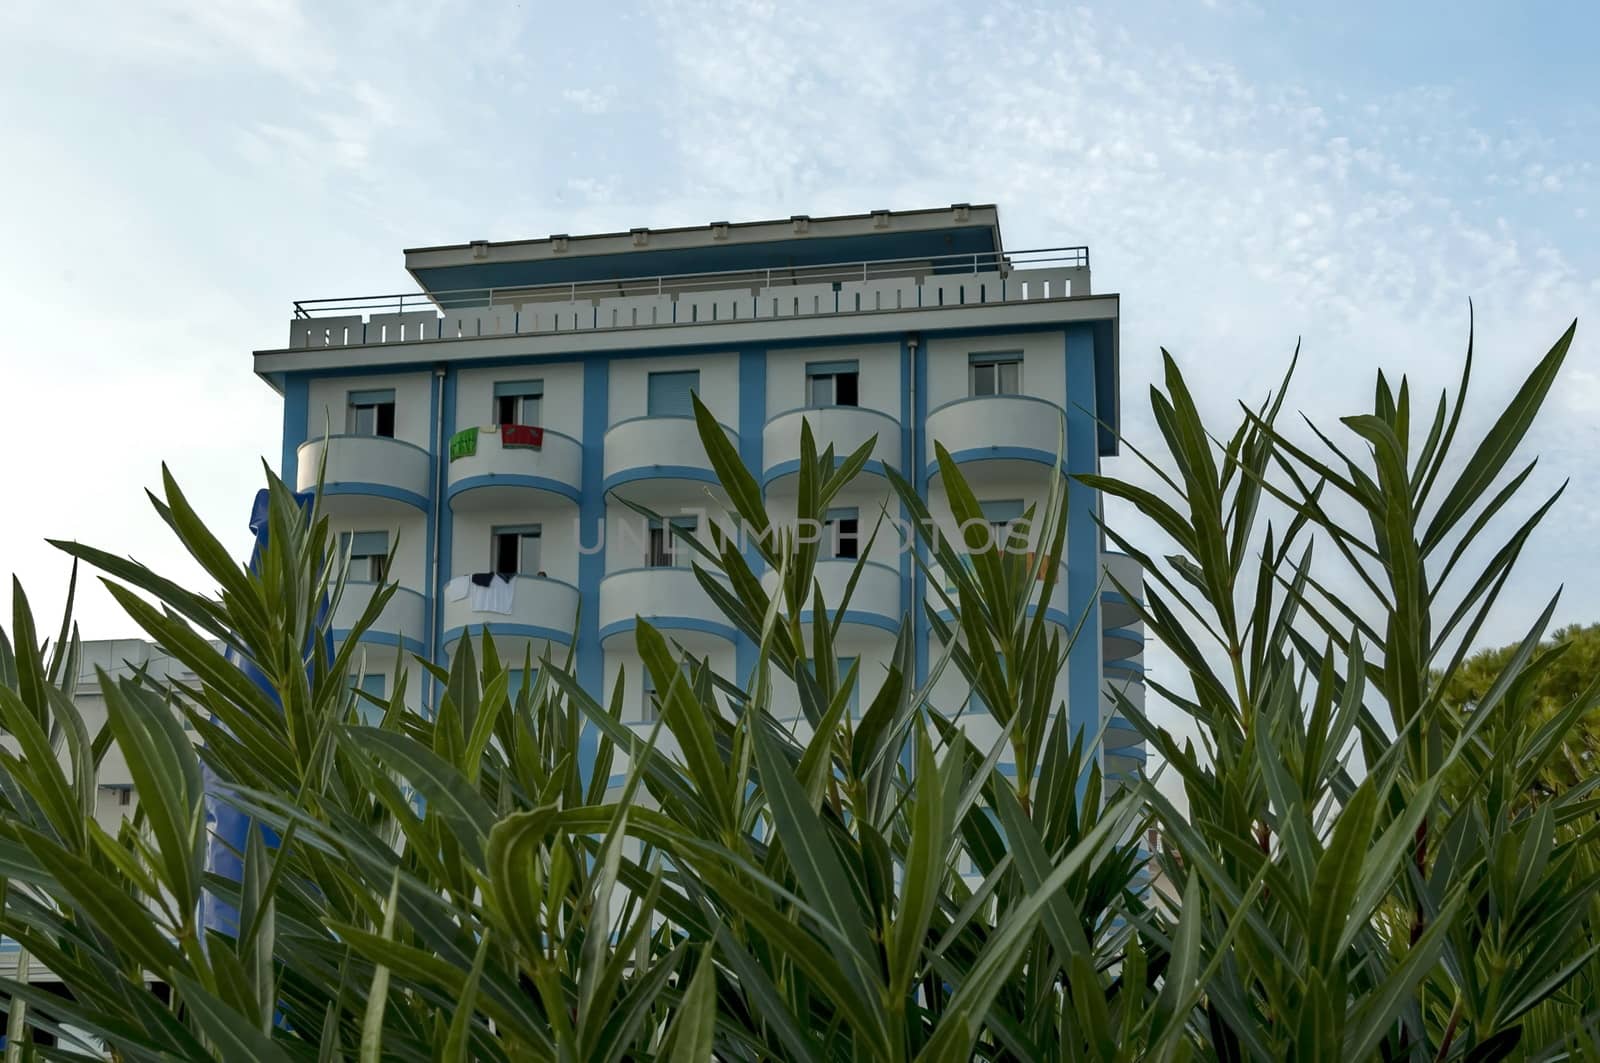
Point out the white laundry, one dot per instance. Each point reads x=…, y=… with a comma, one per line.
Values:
x=497, y=597
x=457, y=588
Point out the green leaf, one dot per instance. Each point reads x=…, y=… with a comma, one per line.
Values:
x=378, y=991
x=693, y=1028
x=234, y=1035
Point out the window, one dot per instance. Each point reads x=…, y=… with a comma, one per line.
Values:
x=515, y=686
x=515, y=550
x=978, y=704
x=369, y=555
x=845, y=664
x=648, y=709
x=996, y=374
x=371, y=413
x=1009, y=531
x=833, y=384
x=374, y=683
x=518, y=402
x=669, y=394
x=666, y=547
x=124, y=796
x=841, y=534
x=650, y=706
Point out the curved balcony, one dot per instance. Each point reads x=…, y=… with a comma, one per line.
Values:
x=843, y=427
x=375, y=467
x=1115, y=609
x=542, y=610
x=874, y=604
x=671, y=599
x=1122, y=646
x=1056, y=611
x=663, y=449
x=402, y=624
x=496, y=477
x=1001, y=435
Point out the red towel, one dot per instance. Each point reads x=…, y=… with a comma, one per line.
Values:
x=521, y=435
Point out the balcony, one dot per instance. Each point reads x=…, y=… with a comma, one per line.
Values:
x=697, y=299
x=671, y=599
x=542, y=610
x=497, y=477
x=1000, y=436
x=1056, y=611
x=1115, y=609
x=402, y=624
x=843, y=427
x=874, y=604
x=366, y=467
x=666, y=449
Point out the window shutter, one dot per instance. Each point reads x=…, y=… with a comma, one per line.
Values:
x=831, y=368
x=369, y=544
x=669, y=394
x=519, y=389
x=371, y=398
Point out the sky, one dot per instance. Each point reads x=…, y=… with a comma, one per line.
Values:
x=174, y=173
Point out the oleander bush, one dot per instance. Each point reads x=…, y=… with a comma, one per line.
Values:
x=1361, y=867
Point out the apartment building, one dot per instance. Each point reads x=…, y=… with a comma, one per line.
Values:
x=480, y=439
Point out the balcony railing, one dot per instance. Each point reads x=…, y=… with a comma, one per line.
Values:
x=694, y=298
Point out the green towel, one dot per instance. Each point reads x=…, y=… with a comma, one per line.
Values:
x=464, y=444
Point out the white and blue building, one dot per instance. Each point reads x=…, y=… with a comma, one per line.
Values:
x=904, y=327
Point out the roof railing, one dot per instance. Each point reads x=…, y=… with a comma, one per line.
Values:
x=1002, y=262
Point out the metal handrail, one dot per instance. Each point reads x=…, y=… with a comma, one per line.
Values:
x=672, y=283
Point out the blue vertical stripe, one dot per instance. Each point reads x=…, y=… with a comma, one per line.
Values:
x=1083, y=534
x=296, y=410
x=752, y=424
x=592, y=566
x=445, y=396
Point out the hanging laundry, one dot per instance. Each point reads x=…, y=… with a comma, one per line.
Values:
x=521, y=435
x=456, y=589
x=498, y=596
x=464, y=444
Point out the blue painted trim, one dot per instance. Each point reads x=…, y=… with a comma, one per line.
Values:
x=513, y=479
x=532, y=631
x=752, y=445
x=384, y=638
x=1084, y=674
x=1126, y=668
x=1116, y=598
x=448, y=401
x=355, y=487
x=671, y=623
x=997, y=453
x=592, y=565
x=789, y=468
x=1123, y=633
x=658, y=472
x=433, y=601
x=296, y=412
